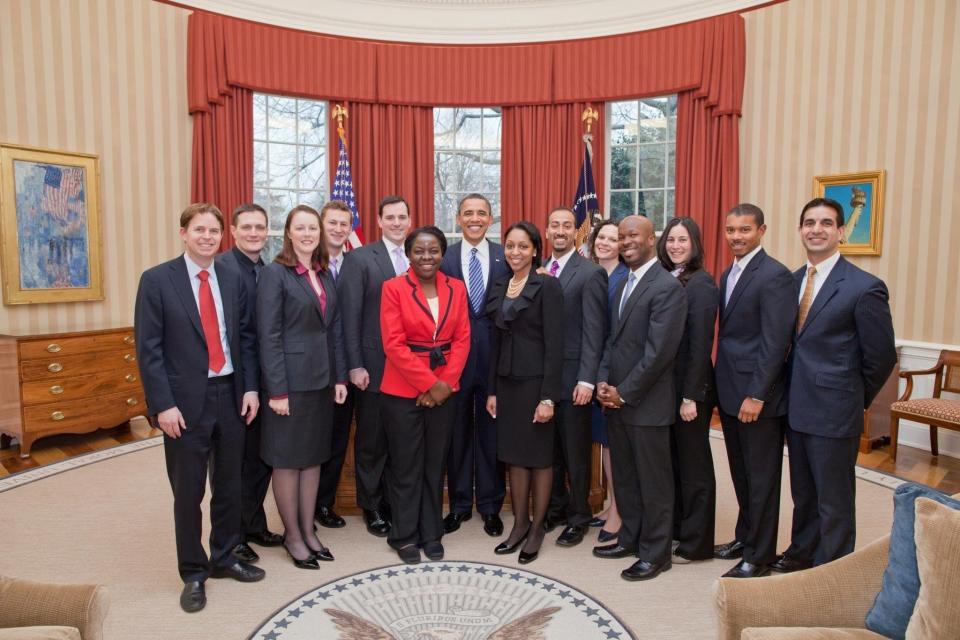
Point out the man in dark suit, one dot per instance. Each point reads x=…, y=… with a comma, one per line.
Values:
x=364, y=272
x=843, y=352
x=248, y=225
x=758, y=312
x=472, y=463
x=584, y=318
x=637, y=389
x=198, y=363
x=337, y=220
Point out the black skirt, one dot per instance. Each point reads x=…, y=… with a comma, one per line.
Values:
x=520, y=440
x=301, y=439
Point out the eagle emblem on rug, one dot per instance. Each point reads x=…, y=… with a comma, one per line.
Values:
x=528, y=627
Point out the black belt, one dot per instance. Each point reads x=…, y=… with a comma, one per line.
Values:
x=436, y=353
x=221, y=379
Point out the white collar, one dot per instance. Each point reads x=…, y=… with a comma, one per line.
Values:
x=642, y=269
x=825, y=266
x=745, y=260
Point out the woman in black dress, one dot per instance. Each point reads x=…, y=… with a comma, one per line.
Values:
x=681, y=252
x=526, y=360
x=303, y=366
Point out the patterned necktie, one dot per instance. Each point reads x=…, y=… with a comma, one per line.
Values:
x=210, y=323
x=399, y=265
x=807, y=299
x=732, y=281
x=475, y=277
x=627, y=290
x=554, y=268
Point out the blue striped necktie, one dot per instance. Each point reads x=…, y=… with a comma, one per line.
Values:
x=475, y=276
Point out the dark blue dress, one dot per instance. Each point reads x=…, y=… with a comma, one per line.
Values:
x=599, y=423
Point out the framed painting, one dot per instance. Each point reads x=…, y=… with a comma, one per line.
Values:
x=50, y=226
x=861, y=195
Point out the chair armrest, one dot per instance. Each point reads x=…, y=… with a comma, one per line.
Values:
x=24, y=604
x=837, y=594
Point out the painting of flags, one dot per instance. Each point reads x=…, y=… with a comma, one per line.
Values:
x=343, y=190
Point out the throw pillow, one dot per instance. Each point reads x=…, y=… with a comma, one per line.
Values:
x=938, y=560
x=894, y=604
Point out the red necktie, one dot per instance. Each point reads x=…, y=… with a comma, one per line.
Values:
x=211, y=326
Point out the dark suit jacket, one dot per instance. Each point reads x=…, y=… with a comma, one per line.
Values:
x=171, y=348
x=406, y=321
x=694, y=368
x=528, y=338
x=300, y=348
x=584, y=287
x=639, y=356
x=755, y=333
x=362, y=276
x=477, y=367
x=842, y=355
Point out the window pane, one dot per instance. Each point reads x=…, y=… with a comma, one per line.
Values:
x=491, y=129
x=312, y=123
x=444, y=170
x=259, y=116
x=278, y=205
x=313, y=199
x=652, y=166
x=650, y=204
x=491, y=172
x=671, y=163
x=494, y=230
x=260, y=178
x=671, y=205
x=445, y=212
x=283, y=166
x=313, y=168
x=623, y=113
x=622, y=203
x=281, y=119
x=672, y=118
x=443, y=128
x=466, y=124
x=623, y=167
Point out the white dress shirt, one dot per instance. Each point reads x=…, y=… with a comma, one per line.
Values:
x=563, y=260
x=391, y=250
x=483, y=255
x=193, y=269
x=823, y=270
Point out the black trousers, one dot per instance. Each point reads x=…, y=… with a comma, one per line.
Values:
x=694, y=485
x=572, y=451
x=370, y=451
x=755, y=454
x=419, y=440
x=823, y=486
x=340, y=438
x=472, y=466
x=643, y=482
x=215, y=442
x=255, y=482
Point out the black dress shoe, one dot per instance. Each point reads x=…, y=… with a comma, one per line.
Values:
x=786, y=564
x=240, y=571
x=729, y=551
x=528, y=557
x=643, y=570
x=572, y=535
x=607, y=536
x=552, y=522
x=503, y=548
x=265, y=538
x=377, y=523
x=327, y=517
x=323, y=555
x=453, y=521
x=245, y=553
x=492, y=524
x=746, y=569
x=433, y=550
x=193, y=597
x=410, y=554
x=309, y=563
x=613, y=551
x=596, y=522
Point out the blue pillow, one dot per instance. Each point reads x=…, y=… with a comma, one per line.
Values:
x=894, y=604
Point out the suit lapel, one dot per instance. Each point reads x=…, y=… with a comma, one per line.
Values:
x=569, y=270
x=304, y=286
x=458, y=262
x=827, y=291
x=180, y=279
x=382, y=257
x=525, y=298
x=635, y=295
x=420, y=298
x=744, y=280
x=227, y=297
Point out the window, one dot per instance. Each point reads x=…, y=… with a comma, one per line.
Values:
x=466, y=146
x=642, y=146
x=289, y=159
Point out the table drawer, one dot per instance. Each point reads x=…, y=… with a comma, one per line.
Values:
x=54, y=367
x=94, y=385
x=87, y=414
x=68, y=346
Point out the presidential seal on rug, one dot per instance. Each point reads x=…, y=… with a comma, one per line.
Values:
x=444, y=601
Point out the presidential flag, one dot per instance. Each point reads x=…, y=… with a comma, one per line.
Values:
x=585, y=203
x=343, y=190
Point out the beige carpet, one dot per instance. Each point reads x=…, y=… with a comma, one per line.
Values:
x=111, y=523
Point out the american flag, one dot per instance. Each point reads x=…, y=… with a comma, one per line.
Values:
x=585, y=202
x=343, y=190
x=60, y=185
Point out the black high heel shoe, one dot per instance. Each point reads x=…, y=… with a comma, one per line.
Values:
x=527, y=558
x=503, y=548
x=309, y=563
x=323, y=554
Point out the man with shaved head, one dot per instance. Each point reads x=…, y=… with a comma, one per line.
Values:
x=637, y=390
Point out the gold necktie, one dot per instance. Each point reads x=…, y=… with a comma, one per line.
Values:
x=807, y=299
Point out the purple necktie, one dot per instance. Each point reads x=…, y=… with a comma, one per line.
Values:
x=554, y=268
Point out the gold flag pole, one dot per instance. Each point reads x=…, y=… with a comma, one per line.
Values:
x=339, y=113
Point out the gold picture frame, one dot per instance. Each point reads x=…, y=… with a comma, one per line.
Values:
x=861, y=195
x=50, y=231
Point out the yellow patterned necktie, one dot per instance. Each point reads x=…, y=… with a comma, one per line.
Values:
x=807, y=299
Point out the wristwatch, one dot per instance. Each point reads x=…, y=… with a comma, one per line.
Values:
x=757, y=400
x=547, y=401
x=688, y=401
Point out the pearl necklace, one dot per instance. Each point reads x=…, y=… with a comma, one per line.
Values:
x=515, y=286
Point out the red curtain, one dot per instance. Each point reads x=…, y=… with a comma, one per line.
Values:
x=542, y=155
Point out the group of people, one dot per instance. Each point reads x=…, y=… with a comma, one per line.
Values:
x=466, y=360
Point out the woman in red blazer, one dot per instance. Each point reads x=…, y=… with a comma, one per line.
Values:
x=426, y=337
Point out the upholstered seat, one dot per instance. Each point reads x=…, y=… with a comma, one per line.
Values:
x=929, y=408
x=937, y=412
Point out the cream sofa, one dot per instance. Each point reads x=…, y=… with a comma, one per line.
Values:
x=35, y=610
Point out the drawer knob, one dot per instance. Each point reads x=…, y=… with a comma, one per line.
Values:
x=53, y=347
x=129, y=357
x=56, y=389
x=131, y=378
x=54, y=367
x=131, y=401
x=57, y=416
x=128, y=340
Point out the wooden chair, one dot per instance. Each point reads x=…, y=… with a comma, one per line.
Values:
x=936, y=411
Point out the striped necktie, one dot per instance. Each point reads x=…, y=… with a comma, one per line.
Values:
x=475, y=277
x=807, y=299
